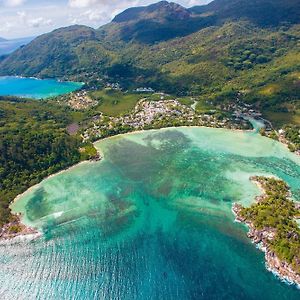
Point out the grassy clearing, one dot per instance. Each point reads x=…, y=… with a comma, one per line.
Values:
x=113, y=102
x=203, y=106
x=186, y=101
x=159, y=97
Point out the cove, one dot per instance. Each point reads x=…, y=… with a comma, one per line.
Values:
x=152, y=220
x=35, y=88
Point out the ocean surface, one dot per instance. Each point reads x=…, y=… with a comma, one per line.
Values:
x=35, y=88
x=152, y=220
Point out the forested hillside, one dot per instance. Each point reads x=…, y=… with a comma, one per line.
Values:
x=219, y=52
x=33, y=144
x=228, y=44
x=213, y=51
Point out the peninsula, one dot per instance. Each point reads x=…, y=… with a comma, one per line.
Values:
x=272, y=225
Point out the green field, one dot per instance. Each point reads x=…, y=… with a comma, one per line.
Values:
x=186, y=101
x=159, y=97
x=204, y=106
x=113, y=102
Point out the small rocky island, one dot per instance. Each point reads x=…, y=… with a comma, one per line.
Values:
x=272, y=225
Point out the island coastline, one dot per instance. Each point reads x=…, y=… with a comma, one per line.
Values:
x=262, y=237
x=26, y=230
x=273, y=263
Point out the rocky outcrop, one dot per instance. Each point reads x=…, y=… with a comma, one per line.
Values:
x=15, y=228
x=263, y=237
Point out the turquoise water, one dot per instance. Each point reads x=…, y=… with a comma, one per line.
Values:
x=152, y=220
x=35, y=88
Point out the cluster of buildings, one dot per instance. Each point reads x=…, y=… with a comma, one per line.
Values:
x=146, y=112
x=144, y=90
x=155, y=114
x=241, y=110
x=80, y=100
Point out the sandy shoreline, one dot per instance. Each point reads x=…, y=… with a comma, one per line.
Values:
x=166, y=128
x=49, y=176
x=18, y=197
x=27, y=230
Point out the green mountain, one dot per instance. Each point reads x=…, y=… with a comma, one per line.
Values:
x=216, y=52
x=157, y=22
x=261, y=12
x=72, y=49
x=52, y=54
x=211, y=50
x=159, y=12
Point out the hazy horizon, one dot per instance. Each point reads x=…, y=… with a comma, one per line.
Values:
x=27, y=18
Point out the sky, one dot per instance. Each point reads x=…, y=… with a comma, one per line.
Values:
x=26, y=18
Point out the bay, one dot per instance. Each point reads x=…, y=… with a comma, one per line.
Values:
x=35, y=88
x=152, y=220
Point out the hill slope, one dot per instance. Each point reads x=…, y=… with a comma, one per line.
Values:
x=58, y=53
x=261, y=12
x=154, y=23
x=206, y=50
x=158, y=11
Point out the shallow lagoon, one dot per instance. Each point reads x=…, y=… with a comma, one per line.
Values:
x=35, y=88
x=152, y=220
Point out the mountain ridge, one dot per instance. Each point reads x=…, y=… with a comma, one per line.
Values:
x=266, y=12
x=162, y=8
x=198, y=51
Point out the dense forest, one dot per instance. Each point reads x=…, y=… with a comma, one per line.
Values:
x=292, y=134
x=33, y=144
x=221, y=52
x=276, y=212
x=207, y=51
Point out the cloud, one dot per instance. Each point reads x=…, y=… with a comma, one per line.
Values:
x=34, y=22
x=82, y=3
x=13, y=3
x=21, y=18
x=38, y=22
x=21, y=14
x=93, y=15
x=7, y=26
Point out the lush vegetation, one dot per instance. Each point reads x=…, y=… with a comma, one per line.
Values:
x=279, y=100
x=275, y=211
x=113, y=102
x=33, y=144
x=214, y=63
x=88, y=151
x=292, y=134
x=215, y=54
x=203, y=54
